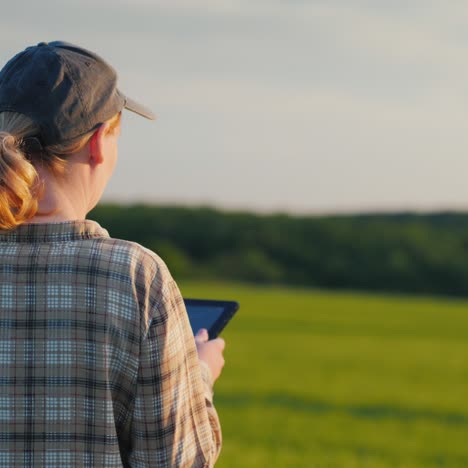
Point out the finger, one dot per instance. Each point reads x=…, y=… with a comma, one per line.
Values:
x=202, y=335
x=220, y=344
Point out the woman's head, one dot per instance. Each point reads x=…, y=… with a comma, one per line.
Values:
x=22, y=157
x=53, y=100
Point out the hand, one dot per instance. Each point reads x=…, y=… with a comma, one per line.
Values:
x=210, y=352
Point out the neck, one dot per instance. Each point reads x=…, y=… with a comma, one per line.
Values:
x=60, y=202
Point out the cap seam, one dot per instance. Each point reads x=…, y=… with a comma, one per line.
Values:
x=75, y=83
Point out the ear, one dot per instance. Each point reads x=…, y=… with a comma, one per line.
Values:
x=97, y=144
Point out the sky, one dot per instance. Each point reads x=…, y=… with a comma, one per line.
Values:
x=312, y=107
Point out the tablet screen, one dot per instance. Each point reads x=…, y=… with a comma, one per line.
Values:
x=203, y=316
x=210, y=314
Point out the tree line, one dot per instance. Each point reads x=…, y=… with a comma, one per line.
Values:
x=393, y=252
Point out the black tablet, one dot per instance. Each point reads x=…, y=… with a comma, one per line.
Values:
x=210, y=314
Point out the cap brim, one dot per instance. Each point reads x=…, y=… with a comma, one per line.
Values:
x=134, y=106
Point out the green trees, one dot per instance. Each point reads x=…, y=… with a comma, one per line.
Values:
x=403, y=252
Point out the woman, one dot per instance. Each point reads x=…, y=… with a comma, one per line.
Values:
x=98, y=363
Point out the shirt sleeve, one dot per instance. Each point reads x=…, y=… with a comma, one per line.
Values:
x=174, y=422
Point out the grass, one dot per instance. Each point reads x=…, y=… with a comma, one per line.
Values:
x=319, y=379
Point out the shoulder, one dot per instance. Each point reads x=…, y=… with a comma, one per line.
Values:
x=121, y=252
x=146, y=276
x=144, y=267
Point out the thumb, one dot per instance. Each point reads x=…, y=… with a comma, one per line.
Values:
x=202, y=335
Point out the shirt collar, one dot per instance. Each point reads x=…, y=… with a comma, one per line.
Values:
x=54, y=232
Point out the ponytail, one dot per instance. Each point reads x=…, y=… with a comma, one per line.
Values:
x=19, y=182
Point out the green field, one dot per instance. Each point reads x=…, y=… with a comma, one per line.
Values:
x=319, y=379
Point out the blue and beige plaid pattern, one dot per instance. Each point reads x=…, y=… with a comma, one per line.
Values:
x=98, y=365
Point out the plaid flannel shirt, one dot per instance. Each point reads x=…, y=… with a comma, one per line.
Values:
x=98, y=362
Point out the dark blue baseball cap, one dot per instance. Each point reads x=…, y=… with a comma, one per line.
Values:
x=66, y=90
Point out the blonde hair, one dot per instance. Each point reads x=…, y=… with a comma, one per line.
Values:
x=20, y=185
